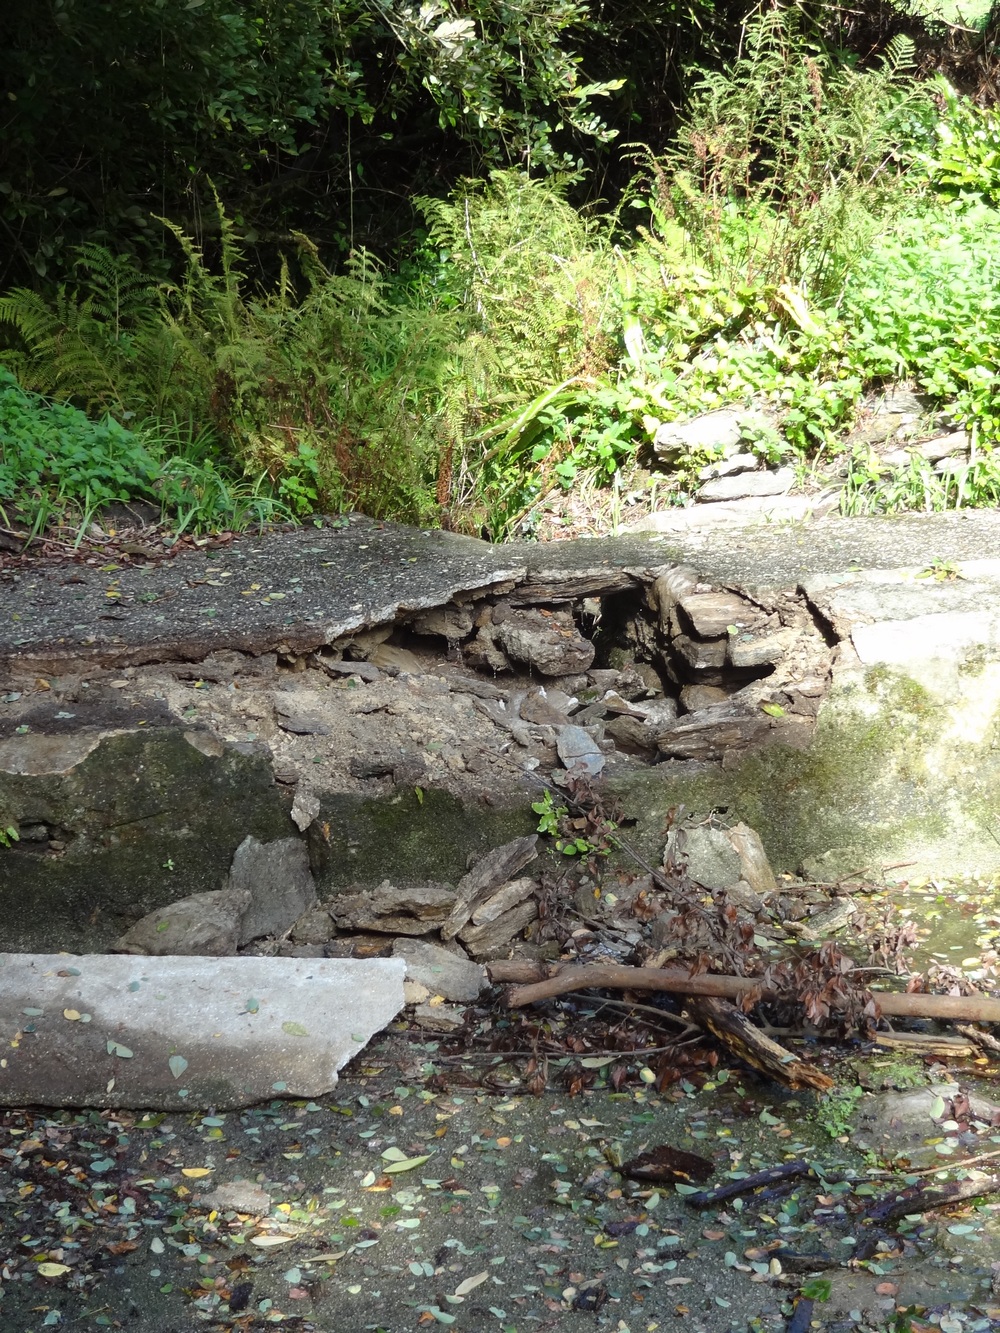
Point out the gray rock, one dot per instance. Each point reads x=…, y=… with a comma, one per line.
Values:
x=503, y=900
x=314, y=926
x=711, y=614
x=604, y=678
x=713, y=733
x=305, y=808
x=732, y=515
x=949, y=635
x=729, y=467
x=933, y=450
x=899, y=400
x=205, y=924
x=579, y=751
x=540, y=710
x=365, y=671
x=438, y=1017
x=444, y=973
x=722, y=429
x=900, y=1122
x=701, y=654
x=657, y=712
x=279, y=881
x=743, y=896
x=493, y=939
x=709, y=856
x=488, y=875
x=749, y=485
x=300, y=724
x=755, y=869
x=550, y=643
x=696, y=697
x=632, y=735
x=242, y=1196
x=769, y=649
x=449, y=622
x=413, y=909
x=186, y=1033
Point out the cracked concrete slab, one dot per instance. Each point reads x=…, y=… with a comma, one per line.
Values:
x=278, y=591
x=184, y=1033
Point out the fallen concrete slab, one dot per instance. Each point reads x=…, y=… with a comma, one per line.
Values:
x=174, y=1033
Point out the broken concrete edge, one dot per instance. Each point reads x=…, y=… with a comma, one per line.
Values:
x=526, y=586
x=185, y=1033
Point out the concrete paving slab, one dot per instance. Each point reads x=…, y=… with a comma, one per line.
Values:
x=174, y=1033
x=280, y=591
x=295, y=591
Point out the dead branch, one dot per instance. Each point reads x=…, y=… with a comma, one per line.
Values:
x=738, y=1034
x=734, y=1189
x=617, y=976
x=984, y=1041
x=923, y=1198
x=926, y=1043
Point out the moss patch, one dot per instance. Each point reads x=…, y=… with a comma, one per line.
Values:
x=145, y=818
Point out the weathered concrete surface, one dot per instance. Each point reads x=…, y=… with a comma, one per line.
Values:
x=902, y=756
x=139, y=819
x=185, y=1033
x=295, y=591
x=290, y=591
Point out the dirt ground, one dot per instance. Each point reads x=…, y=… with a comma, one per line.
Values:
x=432, y=1190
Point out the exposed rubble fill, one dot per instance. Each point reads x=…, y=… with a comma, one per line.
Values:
x=392, y=702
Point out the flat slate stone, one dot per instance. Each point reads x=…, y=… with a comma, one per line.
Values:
x=185, y=1033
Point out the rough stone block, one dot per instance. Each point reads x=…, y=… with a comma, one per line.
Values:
x=279, y=881
x=712, y=613
x=205, y=924
x=749, y=485
x=709, y=856
x=441, y=971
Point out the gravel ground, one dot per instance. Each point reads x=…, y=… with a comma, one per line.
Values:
x=416, y=1197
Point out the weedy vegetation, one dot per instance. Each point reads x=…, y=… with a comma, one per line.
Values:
x=815, y=229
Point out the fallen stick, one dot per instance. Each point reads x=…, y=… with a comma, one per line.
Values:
x=926, y=1043
x=738, y=1034
x=923, y=1198
x=734, y=1189
x=616, y=976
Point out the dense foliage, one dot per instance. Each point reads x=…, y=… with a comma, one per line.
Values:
x=813, y=227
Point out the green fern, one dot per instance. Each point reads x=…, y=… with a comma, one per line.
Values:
x=788, y=162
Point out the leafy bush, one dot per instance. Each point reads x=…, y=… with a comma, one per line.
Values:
x=53, y=450
x=925, y=302
x=785, y=163
x=965, y=162
x=55, y=459
x=323, y=396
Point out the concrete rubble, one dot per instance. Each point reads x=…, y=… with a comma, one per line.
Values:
x=185, y=1033
x=783, y=675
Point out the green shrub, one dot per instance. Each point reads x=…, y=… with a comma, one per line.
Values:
x=57, y=461
x=965, y=161
x=322, y=389
x=51, y=451
x=925, y=302
x=786, y=163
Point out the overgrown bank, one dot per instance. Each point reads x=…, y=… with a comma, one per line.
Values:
x=814, y=230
